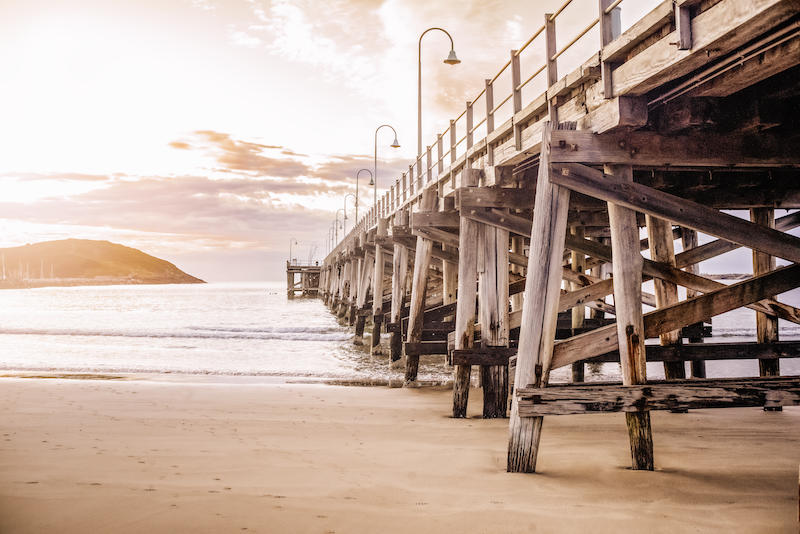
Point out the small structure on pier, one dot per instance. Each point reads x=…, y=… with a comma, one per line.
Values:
x=308, y=283
x=693, y=110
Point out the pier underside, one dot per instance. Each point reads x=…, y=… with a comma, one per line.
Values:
x=525, y=254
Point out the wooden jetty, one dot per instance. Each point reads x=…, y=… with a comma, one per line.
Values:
x=490, y=249
x=308, y=283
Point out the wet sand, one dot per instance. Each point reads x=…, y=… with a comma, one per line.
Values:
x=195, y=456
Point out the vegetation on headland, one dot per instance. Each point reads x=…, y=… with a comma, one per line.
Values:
x=82, y=262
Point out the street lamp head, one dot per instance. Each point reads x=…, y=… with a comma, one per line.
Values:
x=452, y=59
x=395, y=143
x=371, y=181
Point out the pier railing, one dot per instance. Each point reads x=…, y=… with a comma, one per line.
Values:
x=538, y=59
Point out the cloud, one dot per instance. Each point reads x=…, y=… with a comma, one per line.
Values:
x=243, y=156
x=59, y=177
x=242, y=39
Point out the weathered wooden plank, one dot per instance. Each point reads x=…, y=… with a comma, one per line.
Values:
x=622, y=112
x=417, y=349
x=672, y=395
x=700, y=352
x=435, y=219
x=683, y=212
x=651, y=149
x=717, y=31
x=483, y=356
x=494, y=197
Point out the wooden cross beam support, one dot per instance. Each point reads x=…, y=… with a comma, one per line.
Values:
x=662, y=395
x=650, y=149
x=650, y=268
x=685, y=313
x=635, y=196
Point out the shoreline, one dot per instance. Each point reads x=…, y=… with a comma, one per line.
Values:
x=131, y=456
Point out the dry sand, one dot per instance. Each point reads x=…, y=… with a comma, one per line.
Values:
x=124, y=456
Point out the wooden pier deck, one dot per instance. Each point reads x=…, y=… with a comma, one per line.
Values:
x=493, y=244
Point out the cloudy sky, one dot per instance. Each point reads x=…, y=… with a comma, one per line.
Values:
x=213, y=132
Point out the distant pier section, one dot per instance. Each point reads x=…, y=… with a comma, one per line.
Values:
x=304, y=285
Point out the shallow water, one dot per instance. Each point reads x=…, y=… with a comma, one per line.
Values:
x=241, y=329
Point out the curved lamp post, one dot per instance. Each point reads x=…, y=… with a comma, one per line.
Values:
x=451, y=60
x=328, y=238
x=345, y=210
x=290, y=249
x=370, y=181
x=374, y=180
x=336, y=228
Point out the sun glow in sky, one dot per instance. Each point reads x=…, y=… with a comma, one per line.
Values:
x=211, y=133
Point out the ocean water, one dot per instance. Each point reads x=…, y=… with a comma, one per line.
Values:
x=240, y=329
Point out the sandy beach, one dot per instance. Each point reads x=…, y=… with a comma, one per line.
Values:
x=183, y=455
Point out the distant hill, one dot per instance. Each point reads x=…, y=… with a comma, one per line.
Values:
x=74, y=262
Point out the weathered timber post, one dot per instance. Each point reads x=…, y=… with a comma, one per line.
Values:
x=578, y=261
x=362, y=291
x=356, y=266
x=467, y=291
x=689, y=240
x=627, y=265
x=493, y=297
x=659, y=234
x=289, y=281
x=377, y=291
x=517, y=247
x=766, y=326
x=449, y=269
x=419, y=289
x=540, y=311
x=399, y=276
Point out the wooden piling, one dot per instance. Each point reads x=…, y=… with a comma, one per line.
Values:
x=377, y=285
x=627, y=265
x=399, y=276
x=662, y=250
x=690, y=241
x=419, y=289
x=766, y=326
x=578, y=262
x=467, y=292
x=493, y=299
x=540, y=313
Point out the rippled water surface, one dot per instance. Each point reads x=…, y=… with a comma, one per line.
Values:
x=231, y=329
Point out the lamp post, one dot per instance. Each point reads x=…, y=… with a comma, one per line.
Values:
x=336, y=228
x=374, y=180
x=345, y=210
x=328, y=238
x=370, y=181
x=451, y=60
x=290, y=249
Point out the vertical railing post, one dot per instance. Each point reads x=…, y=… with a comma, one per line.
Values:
x=453, y=141
x=552, y=64
x=439, y=154
x=411, y=180
x=610, y=29
x=428, y=178
x=516, y=80
x=489, y=121
x=469, y=125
